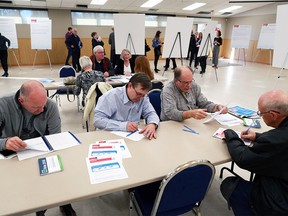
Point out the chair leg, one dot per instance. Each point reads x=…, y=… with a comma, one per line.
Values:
x=131, y=197
x=196, y=211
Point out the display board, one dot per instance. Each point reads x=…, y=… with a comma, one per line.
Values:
x=207, y=39
x=181, y=27
x=241, y=36
x=281, y=44
x=8, y=30
x=267, y=36
x=129, y=30
x=41, y=34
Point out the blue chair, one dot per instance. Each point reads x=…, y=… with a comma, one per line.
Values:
x=64, y=72
x=179, y=192
x=155, y=100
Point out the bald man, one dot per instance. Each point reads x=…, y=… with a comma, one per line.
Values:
x=182, y=98
x=267, y=158
x=28, y=114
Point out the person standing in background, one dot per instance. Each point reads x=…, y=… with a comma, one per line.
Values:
x=157, y=44
x=4, y=54
x=96, y=40
x=216, y=49
x=69, y=54
x=192, y=48
x=75, y=43
x=111, y=41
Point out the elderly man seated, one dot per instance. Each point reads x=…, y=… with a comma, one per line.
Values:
x=100, y=62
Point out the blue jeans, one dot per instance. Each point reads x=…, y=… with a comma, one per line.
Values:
x=237, y=192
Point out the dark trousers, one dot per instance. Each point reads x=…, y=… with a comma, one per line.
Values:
x=157, y=53
x=168, y=63
x=69, y=54
x=75, y=59
x=4, y=60
x=203, y=63
x=237, y=192
x=193, y=57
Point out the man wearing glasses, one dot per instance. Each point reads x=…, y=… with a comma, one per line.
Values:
x=267, y=158
x=100, y=62
x=121, y=108
x=182, y=98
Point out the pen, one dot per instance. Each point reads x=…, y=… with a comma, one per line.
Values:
x=191, y=131
x=246, y=132
x=131, y=133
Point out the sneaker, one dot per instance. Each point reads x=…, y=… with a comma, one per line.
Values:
x=67, y=210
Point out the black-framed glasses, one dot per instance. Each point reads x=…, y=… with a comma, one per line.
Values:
x=186, y=82
x=263, y=113
x=139, y=94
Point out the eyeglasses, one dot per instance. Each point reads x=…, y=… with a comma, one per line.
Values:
x=263, y=113
x=139, y=94
x=185, y=82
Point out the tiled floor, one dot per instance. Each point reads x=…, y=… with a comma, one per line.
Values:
x=238, y=83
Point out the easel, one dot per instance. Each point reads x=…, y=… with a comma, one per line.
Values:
x=16, y=58
x=207, y=48
x=129, y=39
x=47, y=56
x=259, y=52
x=283, y=66
x=180, y=44
x=243, y=54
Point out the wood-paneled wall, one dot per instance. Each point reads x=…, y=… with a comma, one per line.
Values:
x=25, y=55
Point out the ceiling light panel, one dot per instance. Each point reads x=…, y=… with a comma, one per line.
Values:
x=151, y=3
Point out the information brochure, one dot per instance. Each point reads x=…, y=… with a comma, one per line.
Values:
x=242, y=112
x=220, y=135
x=45, y=144
x=227, y=119
x=104, y=161
x=50, y=164
x=135, y=136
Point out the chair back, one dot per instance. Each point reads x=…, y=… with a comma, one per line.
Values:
x=156, y=84
x=184, y=188
x=155, y=100
x=95, y=91
x=67, y=71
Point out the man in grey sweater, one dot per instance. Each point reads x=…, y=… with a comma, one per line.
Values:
x=182, y=98
x=28, y=114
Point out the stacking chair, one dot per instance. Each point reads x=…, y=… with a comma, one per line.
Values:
x=156, y=84
x=155, y=100
x=179, y=192
x=66, y=71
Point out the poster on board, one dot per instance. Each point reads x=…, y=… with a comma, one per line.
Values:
x=241, y=36
x=41, y=35
x=280, y=54
x=208, y=37
x=267, y=36
x=177, y=28
x=8, y=30
x=129, y=30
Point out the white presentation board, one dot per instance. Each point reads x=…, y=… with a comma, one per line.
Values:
x=267, y=36
x=41, y=34
x=129, y=30
x=181, y=27
x=281, y=44
x=241, y=36
x=8, y=30
x=207, y=42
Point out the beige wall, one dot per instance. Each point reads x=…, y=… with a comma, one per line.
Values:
x=61, y=19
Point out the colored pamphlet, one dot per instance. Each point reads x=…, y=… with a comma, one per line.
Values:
x=51, y=164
